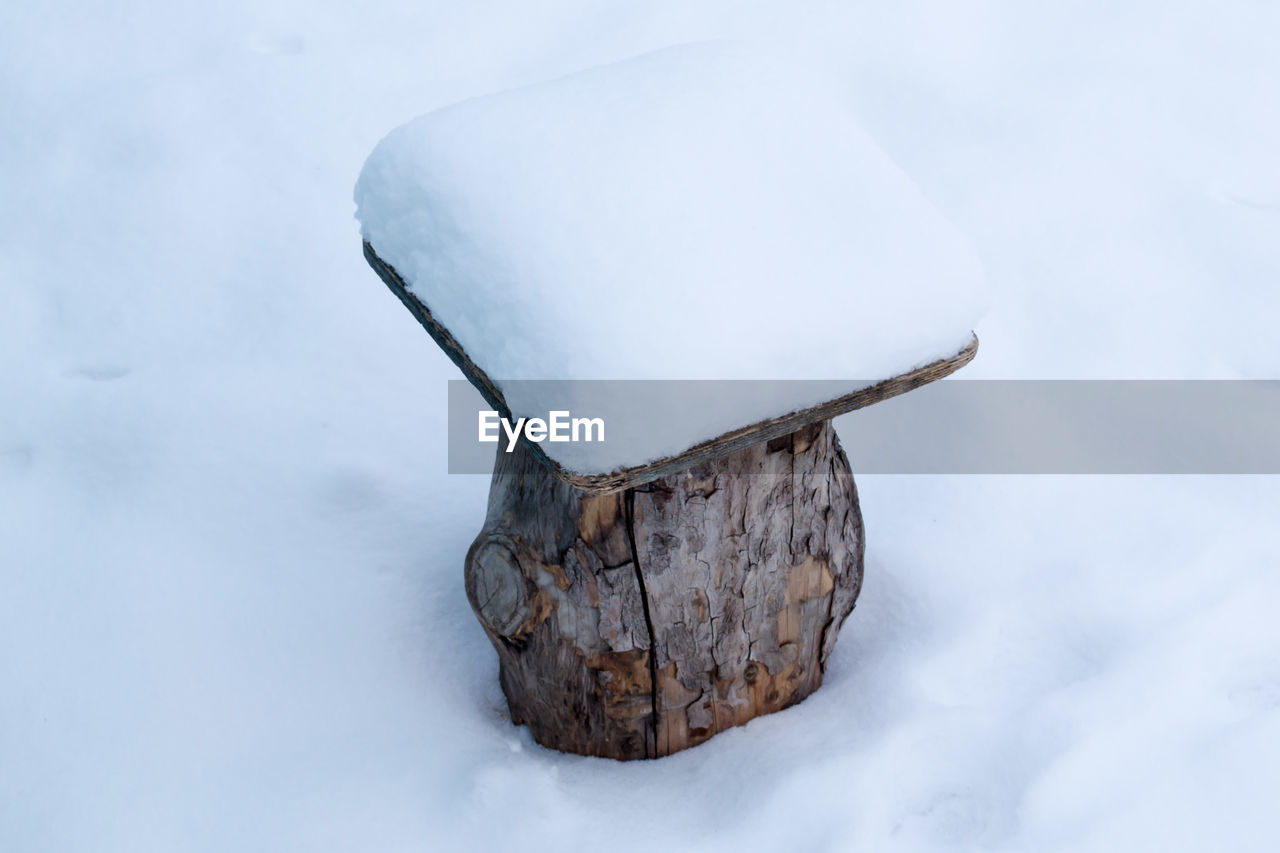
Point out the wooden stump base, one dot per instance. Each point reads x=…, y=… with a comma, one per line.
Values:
x=639, y=623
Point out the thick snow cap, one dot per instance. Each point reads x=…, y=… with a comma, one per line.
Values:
x=705, y=211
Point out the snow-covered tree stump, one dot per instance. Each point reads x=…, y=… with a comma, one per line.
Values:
x=706, y=212
x=639, y=623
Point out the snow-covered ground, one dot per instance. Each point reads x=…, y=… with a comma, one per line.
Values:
x=231, y=609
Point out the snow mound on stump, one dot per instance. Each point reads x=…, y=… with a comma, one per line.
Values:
x=698, y=212
x=704, y=211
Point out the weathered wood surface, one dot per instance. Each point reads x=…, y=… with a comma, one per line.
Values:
x=639, y=623
x=706, y=451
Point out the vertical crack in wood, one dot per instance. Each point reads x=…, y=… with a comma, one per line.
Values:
x=629, y=519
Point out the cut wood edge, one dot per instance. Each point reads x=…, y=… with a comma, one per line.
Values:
x=706, y=451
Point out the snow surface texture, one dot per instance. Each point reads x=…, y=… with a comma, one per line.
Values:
x=709, y=211
x=231, y=605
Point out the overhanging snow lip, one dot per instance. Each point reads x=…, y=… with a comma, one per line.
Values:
x=705, y=451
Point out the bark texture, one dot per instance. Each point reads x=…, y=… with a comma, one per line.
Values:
x=639, y=623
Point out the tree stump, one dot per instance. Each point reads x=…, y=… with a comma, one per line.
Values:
x=639, y=605
x=642, y=622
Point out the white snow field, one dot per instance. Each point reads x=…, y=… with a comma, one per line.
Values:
x=231, y=604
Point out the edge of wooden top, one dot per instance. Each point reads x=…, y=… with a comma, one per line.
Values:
x=706, y=451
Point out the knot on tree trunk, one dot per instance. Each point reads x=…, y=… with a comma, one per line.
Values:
x=503, y=596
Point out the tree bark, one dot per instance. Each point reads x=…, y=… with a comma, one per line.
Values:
x=639, y=623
